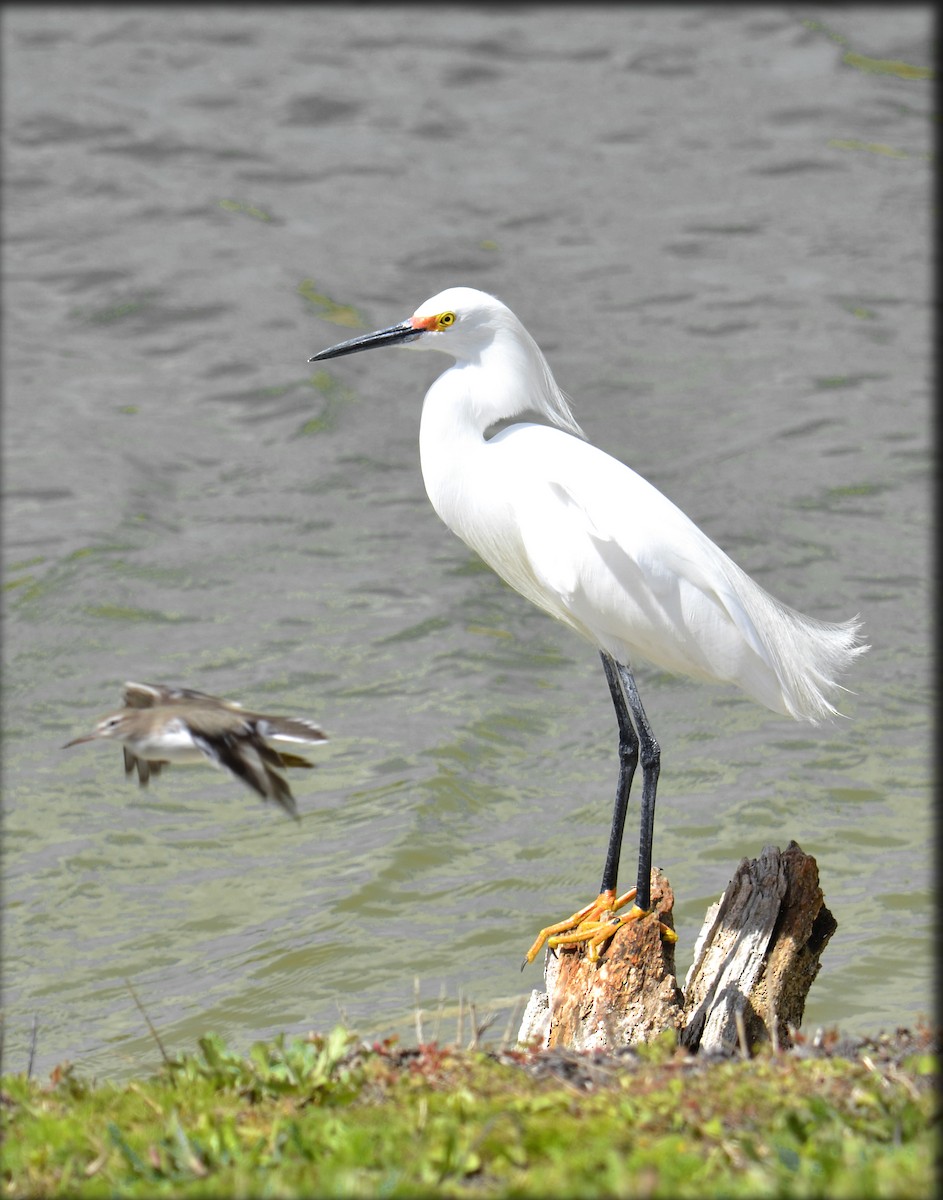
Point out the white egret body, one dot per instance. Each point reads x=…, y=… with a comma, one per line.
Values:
x=594, y=544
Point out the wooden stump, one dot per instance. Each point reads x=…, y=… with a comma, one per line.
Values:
x=755, y=959
x=629, y=995
x=758, y=953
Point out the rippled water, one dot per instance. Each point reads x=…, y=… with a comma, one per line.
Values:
x=715, y=223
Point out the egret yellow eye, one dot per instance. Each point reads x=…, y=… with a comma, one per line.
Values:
x=444, y=320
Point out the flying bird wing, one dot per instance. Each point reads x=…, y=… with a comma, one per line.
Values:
x=252, y=762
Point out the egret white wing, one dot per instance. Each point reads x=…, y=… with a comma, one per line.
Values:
x=618, y=561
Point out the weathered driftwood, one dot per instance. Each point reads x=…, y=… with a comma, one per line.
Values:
x=754, y=962
x=758, y=953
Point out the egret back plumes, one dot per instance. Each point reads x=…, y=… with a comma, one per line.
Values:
x=595, y=545
x=642, y=580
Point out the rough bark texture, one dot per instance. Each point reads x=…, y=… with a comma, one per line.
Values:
x=630, y=995
x=755, y=960
x=758, y=953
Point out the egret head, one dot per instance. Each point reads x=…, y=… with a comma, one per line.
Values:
x=461, y=321
x=475, y=328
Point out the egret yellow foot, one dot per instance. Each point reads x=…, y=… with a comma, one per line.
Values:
x=595, y=924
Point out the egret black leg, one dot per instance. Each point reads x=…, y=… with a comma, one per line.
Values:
x=595, y=924
x=628, y=761
x=650, y=758
x=636, y=743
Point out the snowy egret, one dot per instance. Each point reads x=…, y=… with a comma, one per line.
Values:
x=595, y=545
x=160, y=725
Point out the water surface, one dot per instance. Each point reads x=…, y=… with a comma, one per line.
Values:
x=715, y=221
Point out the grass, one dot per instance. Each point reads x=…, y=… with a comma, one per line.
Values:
x=331, y=1116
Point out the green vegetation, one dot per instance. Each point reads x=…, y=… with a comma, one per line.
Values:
x=885, y=66
x=336, y=397
x=328, y=309
x=870, y=147
x=250, y=210
x=110, y=313
x=874, y=66
x=328, y=1116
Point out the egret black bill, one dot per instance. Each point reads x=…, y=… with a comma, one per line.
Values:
x=393, y=336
